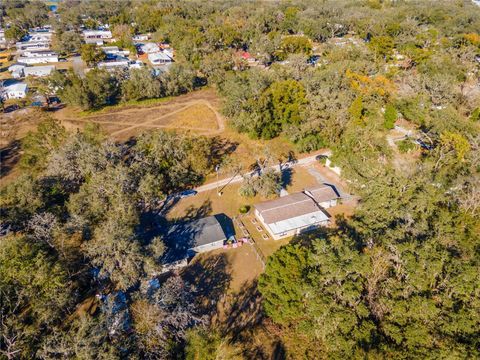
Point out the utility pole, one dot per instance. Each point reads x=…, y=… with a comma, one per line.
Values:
x=217, y=168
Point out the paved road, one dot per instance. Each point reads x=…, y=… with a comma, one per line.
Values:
x=238, y=178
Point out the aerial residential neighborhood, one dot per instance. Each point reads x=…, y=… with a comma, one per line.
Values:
x=33, y=55
x=244, y=180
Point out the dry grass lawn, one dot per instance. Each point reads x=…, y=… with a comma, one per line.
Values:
x=299, y=179
x=209, y=203
x=195, y=116
x=240, y=265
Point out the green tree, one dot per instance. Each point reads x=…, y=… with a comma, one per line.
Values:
x=281, y=105
x=282, y=284
x=34, y=293
x=67, y=42
x=142, y=84
x=91, y=54
x=294, y=44
x=38, y=145
x=117, y=253
x=15, y=33
x=390, y=117
x=98, y=88
x=357, y=110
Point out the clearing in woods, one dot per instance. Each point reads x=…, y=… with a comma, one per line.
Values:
x=195, y=112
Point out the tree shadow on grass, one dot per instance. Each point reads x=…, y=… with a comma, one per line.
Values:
x=195, y=213
x=9, y=157
x=286, y=177
x=211, y=275
x=244, y=318
x=244, y=313
x=221, y=147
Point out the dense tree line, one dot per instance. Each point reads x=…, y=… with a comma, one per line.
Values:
x=100, y=87
x=398, y=280
x=75, y=227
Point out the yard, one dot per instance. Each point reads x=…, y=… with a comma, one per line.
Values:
x=209, y=203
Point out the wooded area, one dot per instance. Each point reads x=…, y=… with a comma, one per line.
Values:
x=398, y=280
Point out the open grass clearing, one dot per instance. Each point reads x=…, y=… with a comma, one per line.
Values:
x=297, y=179
x=195, y=116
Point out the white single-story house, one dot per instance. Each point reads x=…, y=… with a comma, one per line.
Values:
x=290, y=215
x=39, y=53
x=12, y=89
x=114, y=63
x=149, y=48
x=114, y=50
x=38, y=71
x=159, y=58
x=32, y=45
x=324, y=195
x=98, y=42
x=45, y=35
x=97, y=34
x=38, y=60
x=198, y=236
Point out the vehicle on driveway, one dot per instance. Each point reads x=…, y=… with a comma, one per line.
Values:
x=11, y=108
x=321, y=157
x=187, y=193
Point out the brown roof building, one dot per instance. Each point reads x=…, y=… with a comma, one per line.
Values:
x=289, y=215
x=324, y=195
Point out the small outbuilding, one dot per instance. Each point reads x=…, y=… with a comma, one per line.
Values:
x=324, y=195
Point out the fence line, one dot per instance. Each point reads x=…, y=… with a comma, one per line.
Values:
x=251, y=241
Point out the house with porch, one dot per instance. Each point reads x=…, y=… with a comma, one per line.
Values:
x=290, y=215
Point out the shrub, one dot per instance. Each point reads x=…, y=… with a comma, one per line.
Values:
x=390, y=117
x=406, y=145
x=244, y=209
x=475, y=115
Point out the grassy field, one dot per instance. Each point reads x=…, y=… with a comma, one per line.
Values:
x=195, y=116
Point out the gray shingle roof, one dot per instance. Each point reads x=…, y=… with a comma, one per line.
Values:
x=196, y=233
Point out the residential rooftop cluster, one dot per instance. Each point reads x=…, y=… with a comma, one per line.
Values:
x=34, y=56
x=32, y=50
